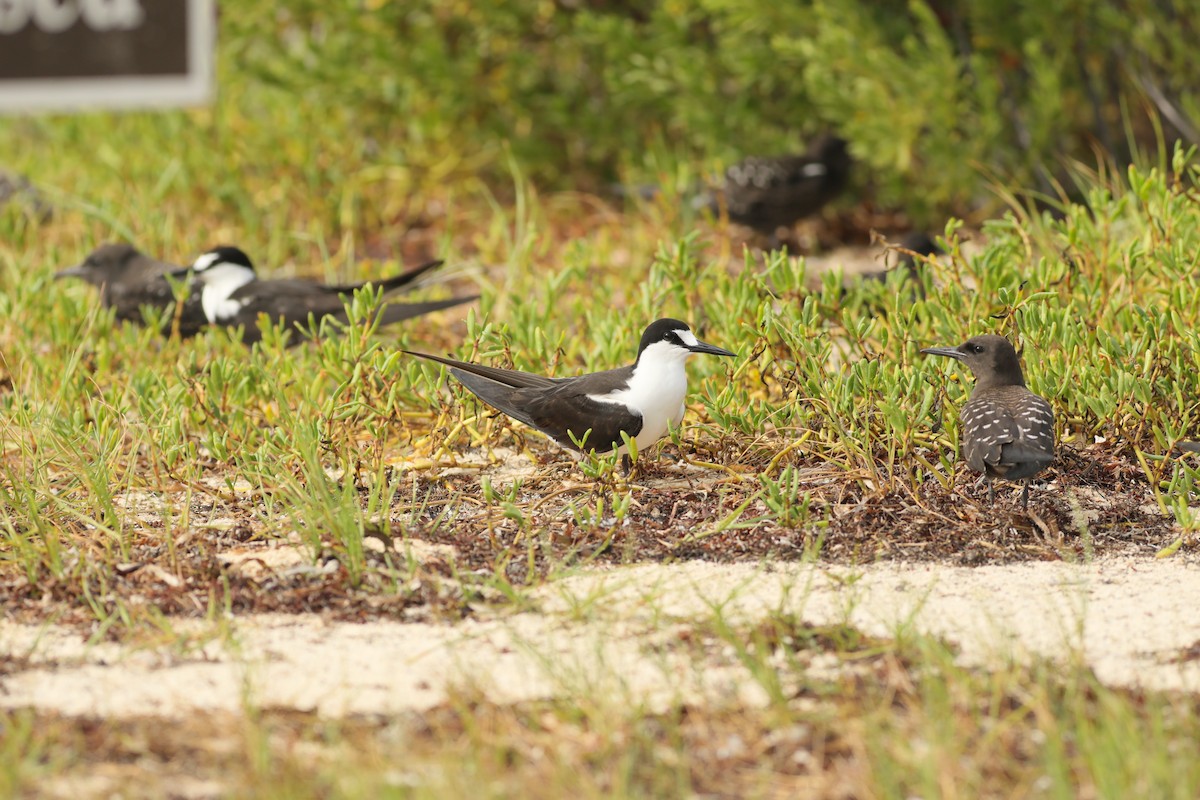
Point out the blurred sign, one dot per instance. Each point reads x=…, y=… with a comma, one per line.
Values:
x=64, y=54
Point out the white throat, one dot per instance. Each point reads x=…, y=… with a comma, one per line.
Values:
x=656, y=390
x=220, y=282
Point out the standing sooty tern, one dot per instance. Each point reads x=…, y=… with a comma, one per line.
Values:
x=639, y=400
x=233, y=295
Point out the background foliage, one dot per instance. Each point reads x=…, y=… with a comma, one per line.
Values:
x=371, y=114
x=585, y=91
x=349, y=136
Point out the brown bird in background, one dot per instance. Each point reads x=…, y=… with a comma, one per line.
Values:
x=771, y=192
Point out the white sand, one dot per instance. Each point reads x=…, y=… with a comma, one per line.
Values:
x=617, y=632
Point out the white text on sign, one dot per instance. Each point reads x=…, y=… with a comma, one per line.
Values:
x=55, y=16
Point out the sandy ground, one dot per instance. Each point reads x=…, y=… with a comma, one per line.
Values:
x=618, y=631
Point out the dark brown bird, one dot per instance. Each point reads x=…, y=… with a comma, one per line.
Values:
x=16, y=187
x=772, y=192
x=911, y=248
x=129, y=279
x=1005, y=430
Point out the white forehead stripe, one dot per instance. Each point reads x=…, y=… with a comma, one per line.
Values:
x=205, y=261
x=688, y=338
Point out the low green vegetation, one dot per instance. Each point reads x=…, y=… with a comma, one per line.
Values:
x=484, y=134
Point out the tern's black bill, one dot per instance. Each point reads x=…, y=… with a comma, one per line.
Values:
x=949, y=352
x=77, y=271
x=710, y=349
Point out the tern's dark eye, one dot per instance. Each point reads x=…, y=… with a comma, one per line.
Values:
x=975, y=348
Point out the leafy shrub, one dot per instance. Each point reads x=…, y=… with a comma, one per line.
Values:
x=936, y=98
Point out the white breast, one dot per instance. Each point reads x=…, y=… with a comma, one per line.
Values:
x=221, y=281
x=656, y=391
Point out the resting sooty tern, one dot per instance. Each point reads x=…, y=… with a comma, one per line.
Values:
x=129, y=279
x=640, y=400
x=233, y=295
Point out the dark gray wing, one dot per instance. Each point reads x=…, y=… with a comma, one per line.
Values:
x=130, y=297
x=387, y=284
x=569, y=409
x=291, y=301
x=398, y=312
x=1033, y=449
x=283, y=296
x=985, y=428
x=288, y=301
x=766, y=193
x=1014, y=439
x=558, y=407
x=506, y=377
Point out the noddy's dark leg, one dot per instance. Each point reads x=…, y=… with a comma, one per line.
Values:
x=1025, y=494
x=991, y=492
x=626, y=464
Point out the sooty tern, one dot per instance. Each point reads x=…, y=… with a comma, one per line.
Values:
x=639, y=400
x=233, y=295
x=129, y=279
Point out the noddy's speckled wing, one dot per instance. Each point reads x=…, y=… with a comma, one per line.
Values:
x=1008, y=432
x=765, y=192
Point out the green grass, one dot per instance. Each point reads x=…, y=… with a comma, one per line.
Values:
x=828, y=437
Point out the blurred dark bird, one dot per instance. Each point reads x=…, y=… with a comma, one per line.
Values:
x=911, y=248
x=1005, y=430
x=768, y=193
x=18, y=188
x=232, y=295
x=639, y=400
x=640, y=191
x=128, y=280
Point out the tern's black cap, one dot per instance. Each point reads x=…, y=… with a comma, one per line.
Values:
x=1005, y=430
